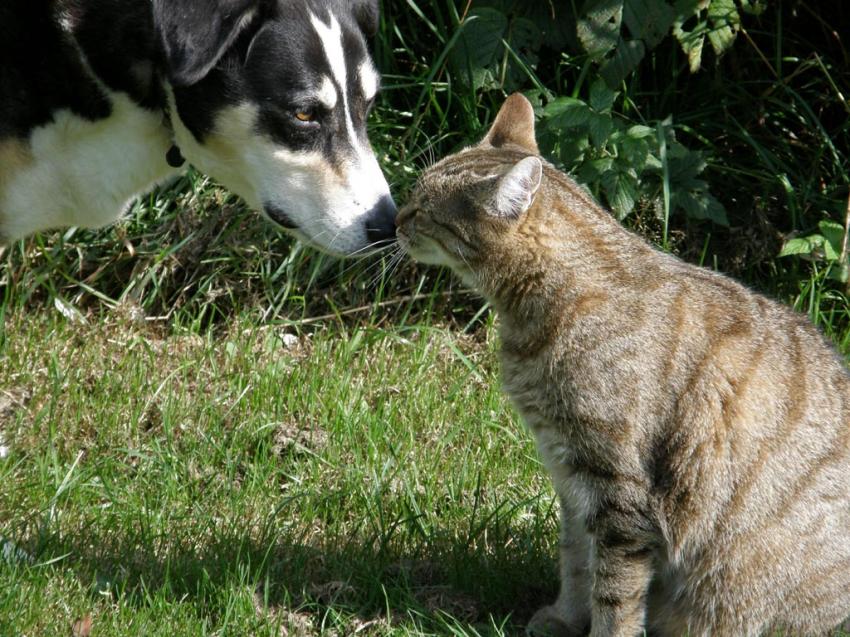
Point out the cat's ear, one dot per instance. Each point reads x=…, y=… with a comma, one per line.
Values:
x=516, y=190
x=514, y=125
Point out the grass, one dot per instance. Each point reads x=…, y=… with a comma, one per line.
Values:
x=212, y=430
x=254, y=480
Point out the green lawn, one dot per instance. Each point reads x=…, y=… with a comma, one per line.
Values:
x=248, y=482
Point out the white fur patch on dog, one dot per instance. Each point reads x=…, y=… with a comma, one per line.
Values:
x=75, y=172
x=331, y=38
x=369, y=80
x=327, y=93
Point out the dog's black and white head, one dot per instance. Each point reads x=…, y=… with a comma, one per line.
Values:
x=271, y=98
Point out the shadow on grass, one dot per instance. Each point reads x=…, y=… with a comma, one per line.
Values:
x=429, y=585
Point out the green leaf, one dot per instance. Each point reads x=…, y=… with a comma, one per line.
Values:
x=753, y=7
x=635, y=152
x=691, y=40
x=654, y=163
x=725, y=22
x=685, y=165
x=699, y=204
x=648, y=20
x=567, y=112
x=684, y=10
x=525, y=40
x=601, y=97
x=481, y=58
x=567, y=145
x=557, y=22
x=839, y=272
x=815, y=245
x=600, y=129
x=803, y=245
x=834, y=234
x=692, y=44
x=721, y=38
x=591, y=172
x=714, y=210
x=638, y=131
x=480, y=46
x=621, y=191
x=626, y=58
x=599, y=30
x=573, y=150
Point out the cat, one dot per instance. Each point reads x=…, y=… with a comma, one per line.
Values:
x=697, y=433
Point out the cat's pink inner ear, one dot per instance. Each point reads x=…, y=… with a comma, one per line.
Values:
x=518, y=187
x=514, y=125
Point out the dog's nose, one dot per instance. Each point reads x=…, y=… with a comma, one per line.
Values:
x=380, y=227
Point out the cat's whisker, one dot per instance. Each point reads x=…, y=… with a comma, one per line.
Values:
x=375, y=269
x=394, y=259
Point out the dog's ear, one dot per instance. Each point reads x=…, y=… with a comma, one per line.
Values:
x=367, y=14
x=195, y=34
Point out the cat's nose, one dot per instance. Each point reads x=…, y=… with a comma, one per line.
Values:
x=381, y=224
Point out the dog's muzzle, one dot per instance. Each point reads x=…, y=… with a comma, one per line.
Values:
x=380, y=225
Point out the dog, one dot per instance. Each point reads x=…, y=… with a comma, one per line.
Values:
x=100, y=100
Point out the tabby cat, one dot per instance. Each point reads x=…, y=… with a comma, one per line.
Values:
x=697, y=433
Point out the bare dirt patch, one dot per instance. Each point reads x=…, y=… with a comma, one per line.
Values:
x=11, y=401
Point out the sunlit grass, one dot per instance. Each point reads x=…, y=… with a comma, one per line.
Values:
x=229, y=483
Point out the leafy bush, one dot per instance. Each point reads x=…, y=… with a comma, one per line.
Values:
x=621, y=161
x=829, y=245
x=500, y=41
x=502, y=38
x=648, y=22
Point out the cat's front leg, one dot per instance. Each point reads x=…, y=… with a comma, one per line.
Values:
x=622, y=573
x=569, y=616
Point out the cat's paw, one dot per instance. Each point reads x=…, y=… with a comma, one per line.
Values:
x=547, y=622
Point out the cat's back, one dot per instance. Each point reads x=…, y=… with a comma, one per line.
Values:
x=752, y=467
x=740, y=344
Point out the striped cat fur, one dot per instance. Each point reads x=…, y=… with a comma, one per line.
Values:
x=697, y=433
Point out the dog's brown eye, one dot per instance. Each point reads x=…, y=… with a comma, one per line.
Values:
x=305, y=116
